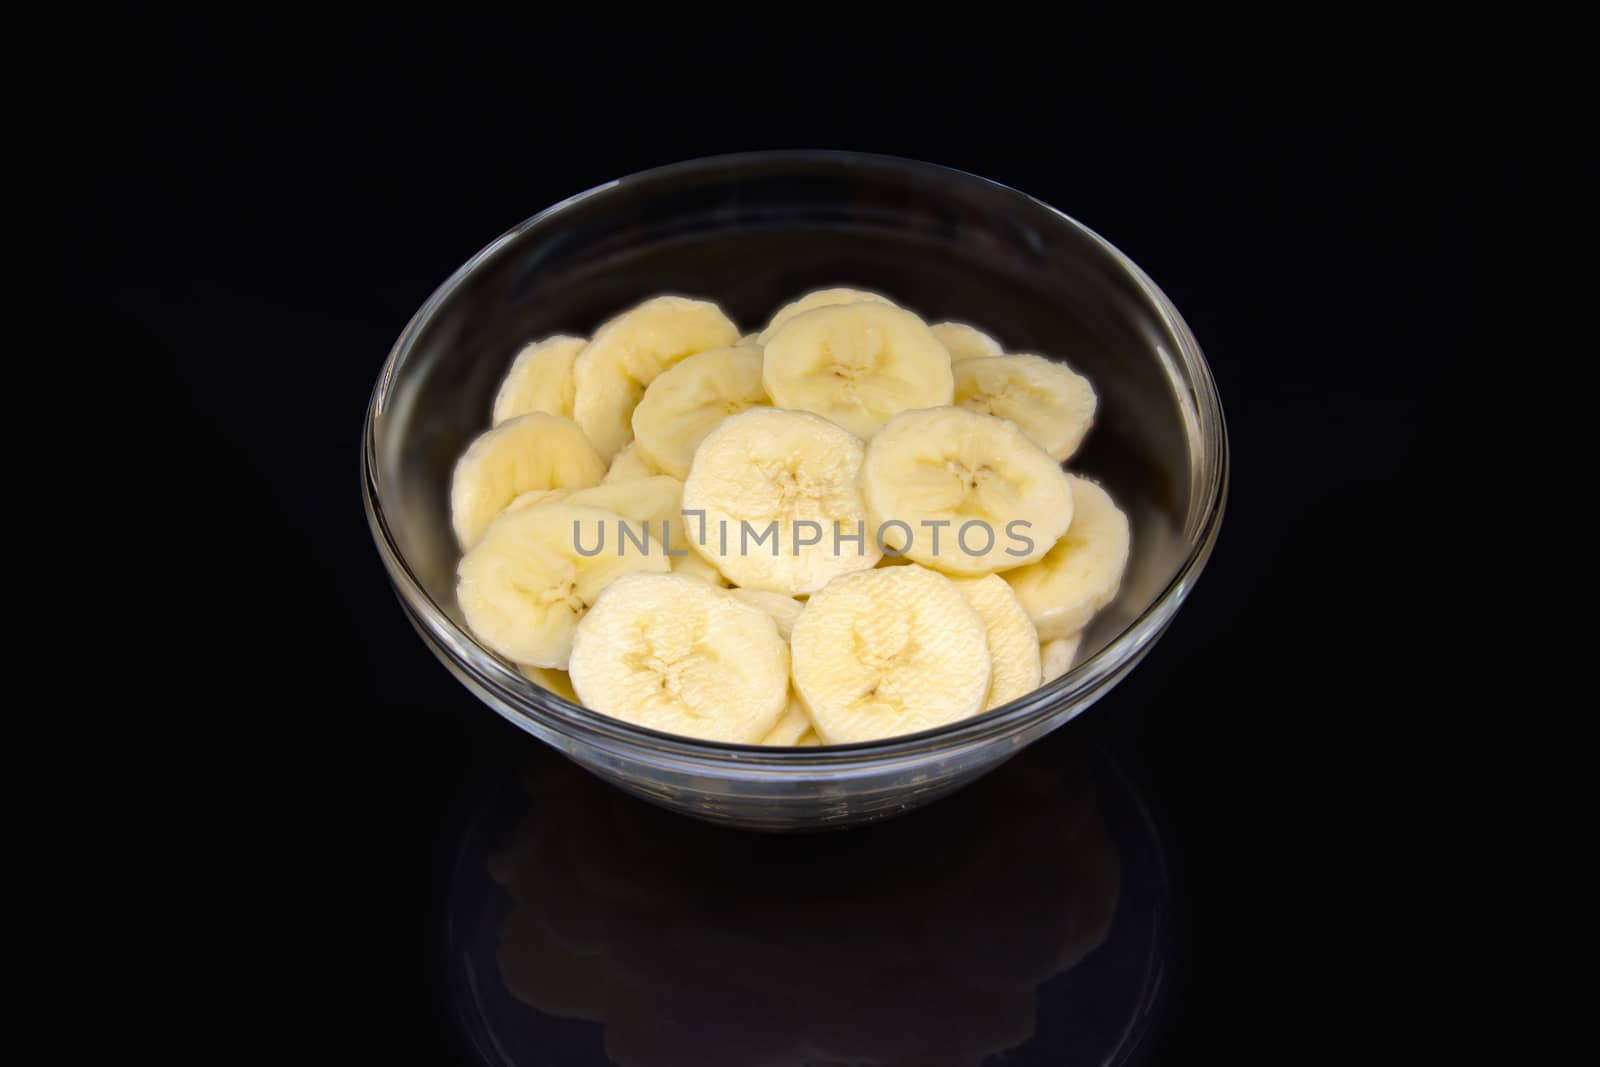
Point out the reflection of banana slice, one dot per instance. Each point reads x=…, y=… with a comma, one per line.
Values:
x=552, y=681
x=535, y=451
x=1082, y=572
x=1056, y=657
x=688, y=401
x=856, y=365
x=965, y=342
x=525, y=584
x=991, y=488
x=629, y=464
x=540, y=379
x=791, y=726
x=775, y=487
x=783, y=609
x=819, y=298
x=627, y=354
x=1053, y=404
x=674, y=655
x=1013, y=644
x=889, y=651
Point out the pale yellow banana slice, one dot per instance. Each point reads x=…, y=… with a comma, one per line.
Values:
x=772, y=502
x=551, y=681
x=965, y=342
x=964, y=493
x=1056, y=657
x=1013, y=644
x=540, y=379
x=534, y=451
x=856, y=365
x=654, y=507
x=791, y=726
x=887, y=652
x=748, y=340
x=687, y=402
x=1082, y=572
x=628, y=352
x=809, y=739
x=537, y=496
x=783, y=609
x=526, y=583
x=630, y=464
x=819, y=298
x=1052, y=403
x=674, y=655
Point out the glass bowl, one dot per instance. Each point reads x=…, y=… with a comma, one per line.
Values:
x=750, y=232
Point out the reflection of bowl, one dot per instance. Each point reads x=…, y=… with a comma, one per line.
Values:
x=750, y=231
x=1022, y=913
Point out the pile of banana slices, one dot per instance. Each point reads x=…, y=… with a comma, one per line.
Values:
x=851, y=525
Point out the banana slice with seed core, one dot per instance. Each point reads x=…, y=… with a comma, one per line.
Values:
x=856, y=365
x=1056, y=657
x=964, y=493
x=791, y=726
x=525, y=584
x=1013, y=644
x=781, y=508
x=1082, y=572
x=688, y=401
x=819, y=298
x=965, y=342
x=629, y=352
x=889, y=651
x=540, y=379
x=1052, y=403
x=535, y=451
x=675, y=655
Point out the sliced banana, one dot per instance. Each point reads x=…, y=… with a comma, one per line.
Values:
x=551, y=681
x=1056, y=657
x=856, y=365
x=781, y=510
x=1052, y=403
x=791, y=726
x=965, y=342
x=671, y=654
x=534, y=451
x=537, y=496
x=783, y=609
x=540, y=379
x=630, y=464
x=654, y=507
x=819, y=298
x=628, y=352
x=809, y=739
x=749, y=339
x=889, y=651
x=964, y=493
x=1082, y=572
x=1013, y=644
x=687, y=402
x=526, y=583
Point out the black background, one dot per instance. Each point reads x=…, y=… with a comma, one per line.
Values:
x=243, y=216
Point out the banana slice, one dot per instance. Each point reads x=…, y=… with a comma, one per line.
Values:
x=1053, y=404
x=781, y=508
x=551, y=681
x=540, y=379
x=809, y=739
x=791, y=726
x=673, y=655
x=630, y=464
x=526, y=583
x=965, y=342
x=887, y=652
x=748, y=339
x=537, y=496
x=964, y=493
x=688, y=401
x=1082, y=572
x=1056, y=657
x=649, y=503
x=857, y=365
x=534, y=451
x=783, y=609
x=627, y=354
x=820, y=298
x=1013, y=644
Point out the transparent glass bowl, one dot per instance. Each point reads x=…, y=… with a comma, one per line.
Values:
x=750, y=232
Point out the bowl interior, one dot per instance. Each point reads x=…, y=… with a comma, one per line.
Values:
x=752, y=233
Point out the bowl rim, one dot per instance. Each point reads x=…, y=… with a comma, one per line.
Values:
x=526, y=704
